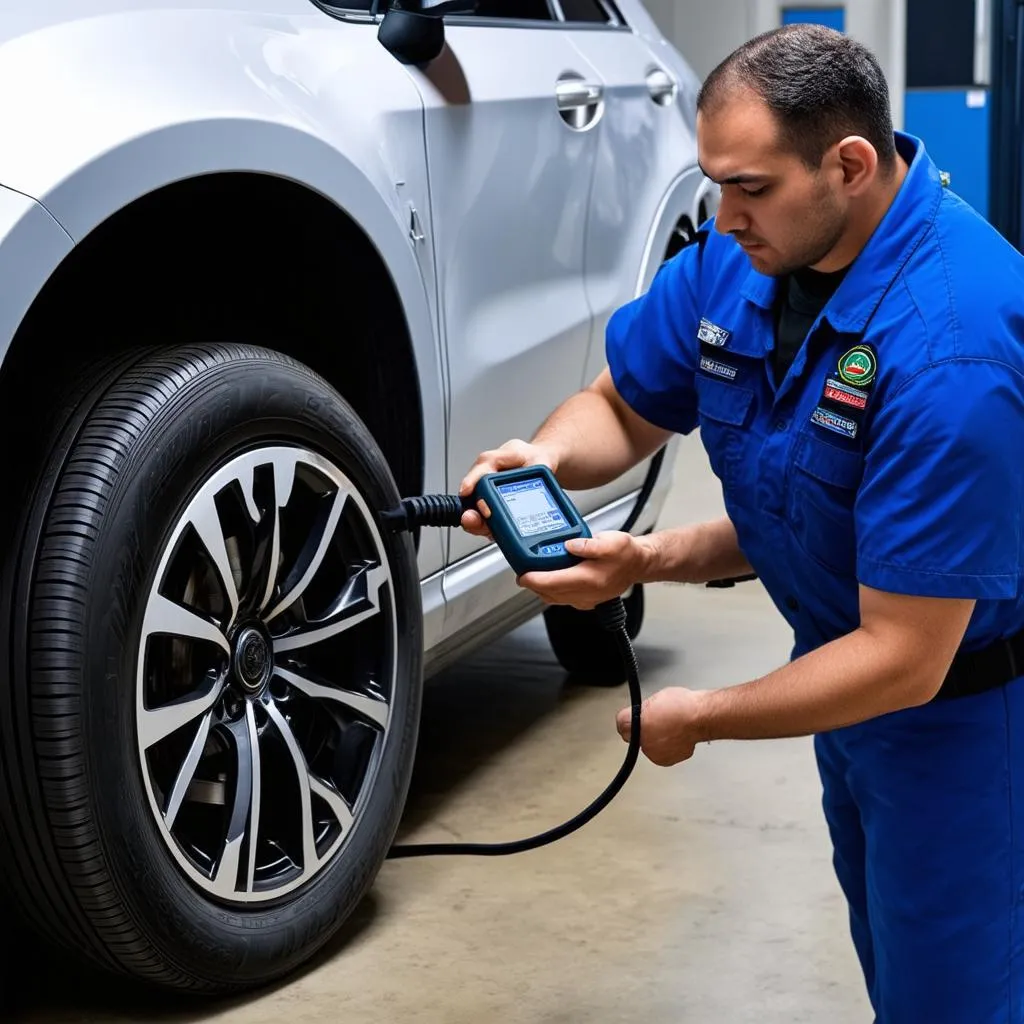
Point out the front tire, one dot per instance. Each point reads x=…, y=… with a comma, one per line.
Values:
x=215, y=672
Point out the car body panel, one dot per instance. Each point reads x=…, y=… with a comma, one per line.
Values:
x=510, y=182
x=180, y=89
x=644, y=147
x=32, y=243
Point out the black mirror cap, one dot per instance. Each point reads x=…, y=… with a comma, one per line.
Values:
x=411, y=38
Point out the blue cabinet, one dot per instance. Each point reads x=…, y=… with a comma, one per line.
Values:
x=832, y=17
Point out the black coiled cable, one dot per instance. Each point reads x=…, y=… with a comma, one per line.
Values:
x=426, y=510
x=446, y=510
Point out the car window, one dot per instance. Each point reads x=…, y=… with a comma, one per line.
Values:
x=584, y=10
x=519, y=10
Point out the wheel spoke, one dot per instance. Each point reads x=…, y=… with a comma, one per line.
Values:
x=361, y=590
x=188, y=770
x=246, y=808
x=270, y=559
x=206, y=521
x=326, y=536
x=225, y=880
x=163, y=616
x=334, y=800
x=308, y=784
x=257, y=790
x=158, y=723
x=284, y=480
x=377, y=711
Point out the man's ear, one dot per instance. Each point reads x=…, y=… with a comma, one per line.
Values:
x=858, y=161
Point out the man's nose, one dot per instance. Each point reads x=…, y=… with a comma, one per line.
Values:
x=730, y=218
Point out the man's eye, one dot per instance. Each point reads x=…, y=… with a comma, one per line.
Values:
x=755, y=191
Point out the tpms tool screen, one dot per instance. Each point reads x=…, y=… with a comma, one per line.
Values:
x=532, y=508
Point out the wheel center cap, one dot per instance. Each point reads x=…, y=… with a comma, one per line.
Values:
x=252, y=659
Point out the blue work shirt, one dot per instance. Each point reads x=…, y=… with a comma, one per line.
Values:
x=892, y=452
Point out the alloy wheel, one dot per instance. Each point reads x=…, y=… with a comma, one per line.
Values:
x=266, y=669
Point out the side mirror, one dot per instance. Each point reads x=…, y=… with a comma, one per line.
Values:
x=412, y=31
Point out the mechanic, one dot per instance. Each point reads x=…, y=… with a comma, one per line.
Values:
x=848, y=339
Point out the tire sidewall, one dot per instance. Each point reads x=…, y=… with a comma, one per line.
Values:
x=241, y=403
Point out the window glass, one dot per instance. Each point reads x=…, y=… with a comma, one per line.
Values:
x=584, y=10
x=523, y=10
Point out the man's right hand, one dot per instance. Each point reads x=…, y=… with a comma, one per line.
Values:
x=511, y=455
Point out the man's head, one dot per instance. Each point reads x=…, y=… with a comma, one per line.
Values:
x=795, y=126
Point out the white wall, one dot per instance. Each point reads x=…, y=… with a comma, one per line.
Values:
x=706, y=31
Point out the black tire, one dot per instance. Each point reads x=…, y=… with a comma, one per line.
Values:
x=86, y=856
x=584, y=648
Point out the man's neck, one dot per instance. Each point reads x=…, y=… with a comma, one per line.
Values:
x=866, y=219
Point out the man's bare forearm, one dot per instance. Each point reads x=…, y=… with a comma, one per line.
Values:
x=847, y=681
x=694, y=554
x=595, y=437
x=896, y=658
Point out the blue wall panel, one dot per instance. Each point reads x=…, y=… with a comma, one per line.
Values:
x=956, y=136
x=832, y=17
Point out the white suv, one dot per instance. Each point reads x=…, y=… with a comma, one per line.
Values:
x=269, y=265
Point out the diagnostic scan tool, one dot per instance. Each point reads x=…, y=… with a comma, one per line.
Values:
x=531, y=518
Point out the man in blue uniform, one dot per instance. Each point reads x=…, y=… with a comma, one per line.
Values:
x=850, y=340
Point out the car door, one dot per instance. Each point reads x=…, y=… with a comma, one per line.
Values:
x=510, y=111
x=646, y=173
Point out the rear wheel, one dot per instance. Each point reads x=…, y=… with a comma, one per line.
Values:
x=214, y=671
x=584, y=648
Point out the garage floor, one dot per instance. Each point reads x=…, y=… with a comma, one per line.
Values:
x=703, y=893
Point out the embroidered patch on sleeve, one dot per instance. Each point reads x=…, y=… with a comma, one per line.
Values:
x=834, y=422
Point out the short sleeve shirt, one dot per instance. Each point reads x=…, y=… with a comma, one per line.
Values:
x=892, y=452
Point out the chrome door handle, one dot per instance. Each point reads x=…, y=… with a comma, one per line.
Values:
x=573, y=95
x=662, y=87
x=580, y=104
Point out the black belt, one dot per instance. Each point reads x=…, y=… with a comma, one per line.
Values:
x=974, y=672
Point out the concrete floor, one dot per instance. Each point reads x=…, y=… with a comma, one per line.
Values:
x=703, y=893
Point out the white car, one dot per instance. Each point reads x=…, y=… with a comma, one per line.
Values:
x=269, y=265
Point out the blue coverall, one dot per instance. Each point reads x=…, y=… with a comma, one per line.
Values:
x=892, y=455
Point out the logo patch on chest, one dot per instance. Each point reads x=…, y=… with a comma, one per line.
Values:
x=834, y=422
x=719, y=369
x=845, y=394
x=858, y=366
x=712, y=334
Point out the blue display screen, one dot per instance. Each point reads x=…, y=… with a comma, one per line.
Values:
x=532, y=508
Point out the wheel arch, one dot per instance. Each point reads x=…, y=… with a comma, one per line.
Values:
x=238, y=256
x=682, y=205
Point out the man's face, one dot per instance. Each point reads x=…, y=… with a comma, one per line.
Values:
x=784, y=214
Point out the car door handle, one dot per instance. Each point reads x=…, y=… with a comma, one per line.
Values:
x=574, y=95
x=580, y=104
x=662, y=87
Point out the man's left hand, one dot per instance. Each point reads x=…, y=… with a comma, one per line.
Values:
x=670, y=725
x=612, y=562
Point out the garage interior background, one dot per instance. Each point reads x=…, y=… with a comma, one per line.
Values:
x=937, y=56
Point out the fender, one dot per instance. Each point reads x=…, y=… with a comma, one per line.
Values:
x=32, y=245
x=115, y=100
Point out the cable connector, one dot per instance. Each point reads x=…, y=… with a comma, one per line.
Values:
x=426, y=510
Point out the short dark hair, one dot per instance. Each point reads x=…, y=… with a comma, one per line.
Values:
x=820, y=84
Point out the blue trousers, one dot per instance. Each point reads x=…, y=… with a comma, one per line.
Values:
x=925, y=808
